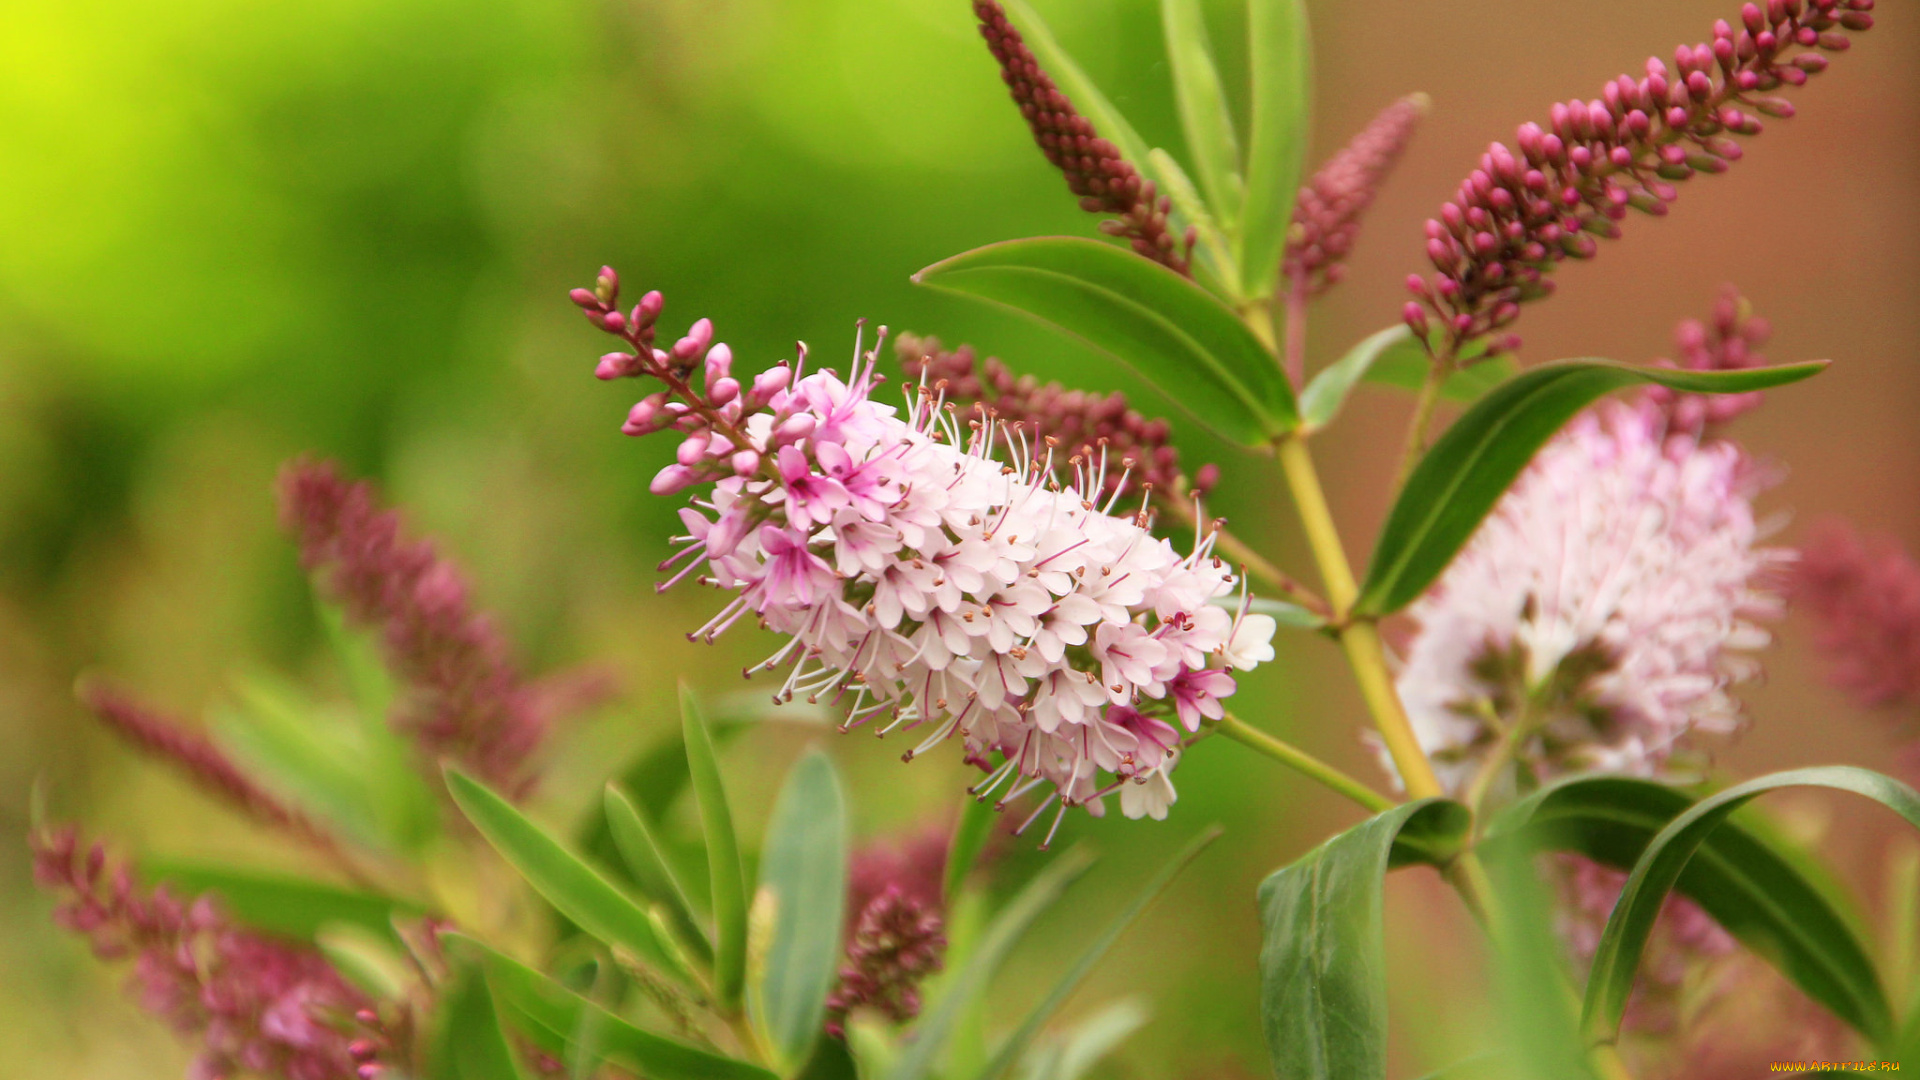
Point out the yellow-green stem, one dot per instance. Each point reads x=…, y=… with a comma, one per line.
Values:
x=1358, y=637
x=1423, y=407
x=1302, y=762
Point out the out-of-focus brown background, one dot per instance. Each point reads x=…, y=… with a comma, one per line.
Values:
x=232, y=233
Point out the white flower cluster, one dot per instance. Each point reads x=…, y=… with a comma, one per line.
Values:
x=927, y=585
x=1598, y=607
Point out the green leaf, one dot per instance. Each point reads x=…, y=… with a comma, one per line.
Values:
x=288, y=906
x=1667, y=856
x=1471, y=465
x=831, y=1060
x=1393, y=357
x=1107, y=121
x=1214, y=266
x=803, y=882
x=1081, y=1048
x=1328, y=390
x=1204, y=118
x=1017, y=1043
x=1166, y=328
x=723, y=854
x=1280, y=56
x=370, y=959
x=651, y=870
x=971, y=831
x=1747, y=884
x=575, y=889
x=970, y=981
x=470, y=1044
x=1323, y=994
x=549, y=1013
x=1538, y=1009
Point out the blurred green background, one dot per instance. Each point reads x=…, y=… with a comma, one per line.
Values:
x=233, y=232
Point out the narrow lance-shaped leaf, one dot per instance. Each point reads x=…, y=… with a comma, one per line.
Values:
x=1622, y=943
x=971, y=831
x=803, y=881
x=1107, y=121
x=575, y=889
x=549, y=1013
x=1281, y=61
x=1458, y=482
x=288, y=906
x=1204, y=118
x=1022, y=1038
x=970, y=981
x=723, y=854
x=1323, y=994
x=469, y=1044
x=1749, y=885
x=651, y=870
x=1169, y=330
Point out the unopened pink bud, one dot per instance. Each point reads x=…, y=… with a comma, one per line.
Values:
x=796, y=428
x=607, y=286
x=745, y=462
x=616, y=365
x=584, y=298
x=699, y=336
x=693, y=448
x=724, y=390
x=614, y=322
x=650, y=305
x=671, y=479
x=1415, y=317
x=770, y=382
x=719, y=363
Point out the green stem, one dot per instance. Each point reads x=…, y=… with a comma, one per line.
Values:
x=1302, y=762
x=1423, y=408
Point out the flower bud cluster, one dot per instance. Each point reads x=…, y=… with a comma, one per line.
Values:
x=927, y=583
x=1865, y=595
x=1079, y=421
x=1684, y=941
x=257, y=1004
x=1105, y=182
x=700, y=399
x=1563, y=187
x=1731, y=343
x=1327, y=212
x=898, y=942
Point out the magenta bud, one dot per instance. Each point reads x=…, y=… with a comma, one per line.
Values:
x=584, y=298
x=693, y=448
x=1722, y=147
x=371, y=1070
x=671, y=479
x=1620, y=156
x=724, y=390
x=650, y=306
x=699, y=336
x=614, y=365
x=1834, y=42
x=1752, y=17
x=745, y=462
x=1677, y=117
x=719, y=362
x=361, y=1049
x=613, y=322
x=796, y=428
x=770, y=382
x=1415, y=317
x=607, y=287
x=1417, y=285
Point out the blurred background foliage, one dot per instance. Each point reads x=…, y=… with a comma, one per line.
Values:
x=231, y=233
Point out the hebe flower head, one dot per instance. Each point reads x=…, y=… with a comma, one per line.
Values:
x=928, y=585
x=1865, y=594
x=1731, y=342
x=1601, y=606
x=256, y=1004
x=1327, y=212
x=1525, y=209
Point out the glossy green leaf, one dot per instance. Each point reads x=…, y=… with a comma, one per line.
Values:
x=1017, y=1044
x=727, y=878
x=548, y=1013
x=1166, y=328
x=1666, y=858
x=971, y=831
x=370, y=959
x=1323, y=994
x=1214, y=264
x=469, y=1044
x=1328, y=390
x=1747, y=884
x=288, y=906
x=1461, y=478
x=1280, y=56
x=970, y=980
x=575, y=889
x=1538, y=1008
x=803, y=890
x=1204, y=118
x=1067, y=75
x=651, y=871
x=1404, y=366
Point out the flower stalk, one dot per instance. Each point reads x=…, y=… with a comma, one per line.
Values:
x=1303, y=763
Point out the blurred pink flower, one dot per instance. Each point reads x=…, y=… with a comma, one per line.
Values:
x=1865, y=595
